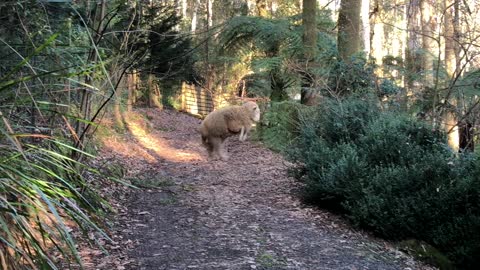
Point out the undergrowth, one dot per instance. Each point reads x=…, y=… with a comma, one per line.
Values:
x=386, y=171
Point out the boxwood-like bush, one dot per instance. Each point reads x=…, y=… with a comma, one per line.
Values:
x=392, y=174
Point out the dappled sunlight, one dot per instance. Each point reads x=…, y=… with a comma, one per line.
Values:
x=150, y=145
x=128, y=150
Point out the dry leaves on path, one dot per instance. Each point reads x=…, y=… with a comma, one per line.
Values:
x=241, y=214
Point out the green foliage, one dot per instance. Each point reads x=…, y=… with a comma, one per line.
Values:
x=392, y=174
x=45, y=67
x=279, y=124
x=352, y=76
x=41, y=190
x=276, y=51
x=388, y=88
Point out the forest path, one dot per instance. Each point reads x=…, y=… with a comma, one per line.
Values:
x=240, y=214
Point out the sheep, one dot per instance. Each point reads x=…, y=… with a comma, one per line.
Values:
x=225, y=122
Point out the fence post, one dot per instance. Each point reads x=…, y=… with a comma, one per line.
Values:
x=184, y=106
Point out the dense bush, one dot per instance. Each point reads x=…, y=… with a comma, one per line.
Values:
x=391, y=174
x=279, y=124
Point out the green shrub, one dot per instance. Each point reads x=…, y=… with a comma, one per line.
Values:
x=279, y=124
x=391, y=174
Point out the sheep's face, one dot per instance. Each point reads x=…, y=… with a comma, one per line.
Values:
x=253, y=109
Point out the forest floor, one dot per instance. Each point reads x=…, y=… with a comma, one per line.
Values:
x=242, y=214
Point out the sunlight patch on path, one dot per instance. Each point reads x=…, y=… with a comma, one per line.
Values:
x=127, y=149
x=159, y=146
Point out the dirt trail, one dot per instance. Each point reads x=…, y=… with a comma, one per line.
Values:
x=240, y=214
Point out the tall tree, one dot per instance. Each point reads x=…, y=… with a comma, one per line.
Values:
x=310, y=48
x=428, y=40
x=450, y=67
x=85, y=105
x=376, y=33
x=196, y=4
x=412, y=51
x=365, y=30
x=349, y=40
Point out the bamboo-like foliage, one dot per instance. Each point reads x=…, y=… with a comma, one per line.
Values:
x=43, y=191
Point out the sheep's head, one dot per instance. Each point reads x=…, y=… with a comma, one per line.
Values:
x=253, y=109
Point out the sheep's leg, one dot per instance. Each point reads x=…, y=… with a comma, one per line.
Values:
x=243, y=134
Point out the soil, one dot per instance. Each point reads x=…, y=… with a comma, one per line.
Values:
x=191, y=213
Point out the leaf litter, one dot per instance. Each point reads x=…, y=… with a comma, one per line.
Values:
x=189, y=213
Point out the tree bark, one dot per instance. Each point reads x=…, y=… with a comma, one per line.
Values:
x=153, y=93
x=349, y=40
x=450, y=121
x=117, y=110
x=196, y=4
x=308, y=94
x=365, y=31
x=376, y=35
x=208, y=69
x=85, y=104
x=412, y=56
x=184, y=9
x=428, y=41
x=132, y=88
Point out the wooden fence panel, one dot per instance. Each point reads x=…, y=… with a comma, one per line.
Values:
x=199, y=101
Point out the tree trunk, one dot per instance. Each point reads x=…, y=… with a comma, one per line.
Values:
x=376, y=35
x=412, y=55
x=117, y=111
x=349, y=40
x=450, y=120
x=428, y=41
x=153, y=93
x=308, y=94
x=196, y=4
x=184, y=9
x=85, y=105
x=365, y=31
x=208, y=69
x=131, y=86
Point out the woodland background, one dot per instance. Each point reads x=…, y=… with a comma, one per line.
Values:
x=377, y=101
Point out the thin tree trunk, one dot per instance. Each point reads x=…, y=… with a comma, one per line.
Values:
x=131, y=91
x=117, y=111
x=365, y=31
x=184, y=9
x=85, y=104
x=376, y=35
x=209, y=73
x=196, y=4
x=412, y=56
x=153, y=93
x=428, y=41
